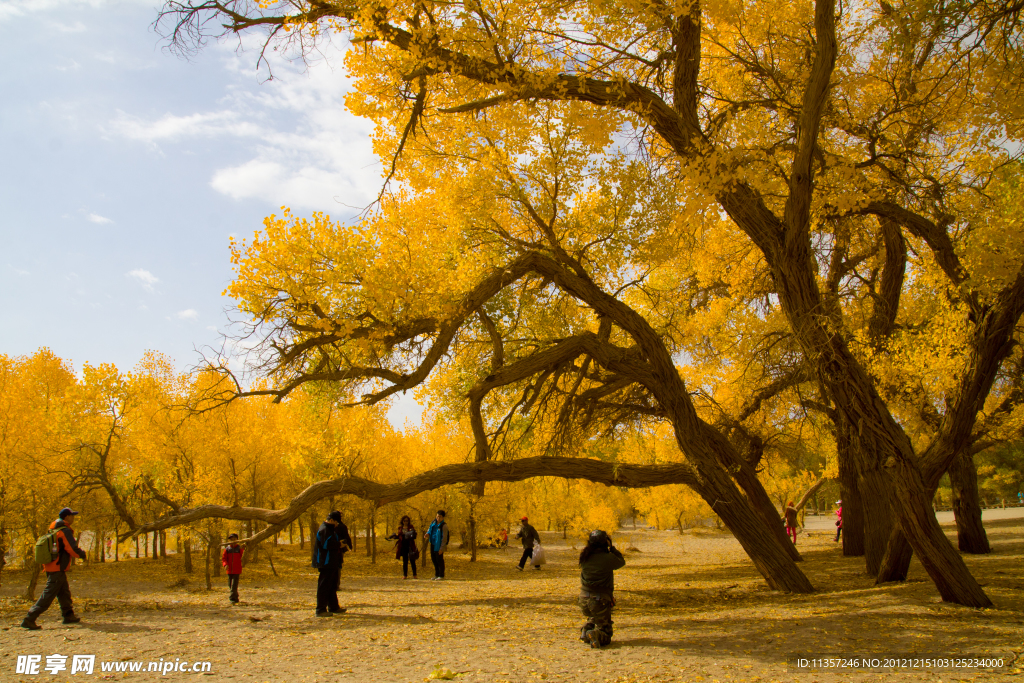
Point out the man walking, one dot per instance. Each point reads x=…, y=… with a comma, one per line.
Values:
x=438, y=536
x=328, y=553
x=530, y=538
x=56, y=572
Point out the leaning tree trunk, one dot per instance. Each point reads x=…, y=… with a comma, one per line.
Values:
x=963, y=477
x=853, y=393
x=759, y=541
x=746, y=477
x=849, y=489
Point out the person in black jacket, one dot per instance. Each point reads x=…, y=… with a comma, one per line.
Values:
x=331, y=543
x=530, y=537
x=598, y=563
x=405, y=549
x=56, y=577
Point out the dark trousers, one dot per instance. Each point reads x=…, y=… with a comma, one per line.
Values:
x=839, y=532
x=56, y=587
x=405, y=565
x=598, y=611
x=233, y=586
x=527, y=554
x=327, y=590
x=438, y=560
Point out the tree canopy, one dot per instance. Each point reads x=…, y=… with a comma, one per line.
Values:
x=600, y=214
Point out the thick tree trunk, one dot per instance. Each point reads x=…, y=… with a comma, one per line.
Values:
x=963, y=477
x=881, y=437
x=759, y=499
x=896, y=560
x=849, y=490
x=878, y=519
x=751, y=530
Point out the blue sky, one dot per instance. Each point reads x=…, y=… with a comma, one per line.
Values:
x=125, y=169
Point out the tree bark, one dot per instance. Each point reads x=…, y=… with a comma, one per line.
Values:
x=215, y=536
x=849, y=490
x=187, y=546
x=746, y=477
x=963, y=477
x=209, y=553
x=35, y=570
x=878, y=519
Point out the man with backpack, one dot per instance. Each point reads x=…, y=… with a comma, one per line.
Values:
x=56, y=550
x=331, y=543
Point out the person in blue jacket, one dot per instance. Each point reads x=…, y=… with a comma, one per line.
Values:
x=332, y=541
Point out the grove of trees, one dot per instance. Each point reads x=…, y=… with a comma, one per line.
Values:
x=640, y=244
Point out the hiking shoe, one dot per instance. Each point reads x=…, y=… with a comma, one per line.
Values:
x=519, y=568
x=30, y=625
x=72, y=619
x=340, y=610
x=595, y=640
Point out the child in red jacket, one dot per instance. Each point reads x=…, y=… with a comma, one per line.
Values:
x=231, y=558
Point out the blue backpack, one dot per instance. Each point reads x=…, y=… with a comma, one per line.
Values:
x=321, y=554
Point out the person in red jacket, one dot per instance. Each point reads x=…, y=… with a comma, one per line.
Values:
x=56, y=576
x=231, y=558
x=791, y=520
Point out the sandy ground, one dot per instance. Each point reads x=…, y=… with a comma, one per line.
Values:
x=691, y=607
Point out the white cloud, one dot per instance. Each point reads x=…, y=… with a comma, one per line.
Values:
x=77, y=27
x=145, y=278
x=307, y=151
x=170, y=127
x=96, y=218
x=187, y=314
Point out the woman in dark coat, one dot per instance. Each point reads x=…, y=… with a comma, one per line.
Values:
x=406, y=549
x=598, y=563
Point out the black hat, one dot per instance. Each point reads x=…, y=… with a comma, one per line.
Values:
x=598, y=537
x=335, y=515
x=230, y=536
x=65, y=512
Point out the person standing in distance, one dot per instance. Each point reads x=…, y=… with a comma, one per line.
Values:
x=56, y=573
x=598, y=563
x=530, y=538
x=791, y=520
x=328, y=559
x=438, y=536
x=231, y=559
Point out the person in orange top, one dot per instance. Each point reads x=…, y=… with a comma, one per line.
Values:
x=56, y=576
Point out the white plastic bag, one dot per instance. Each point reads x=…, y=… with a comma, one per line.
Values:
x=538, y=555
